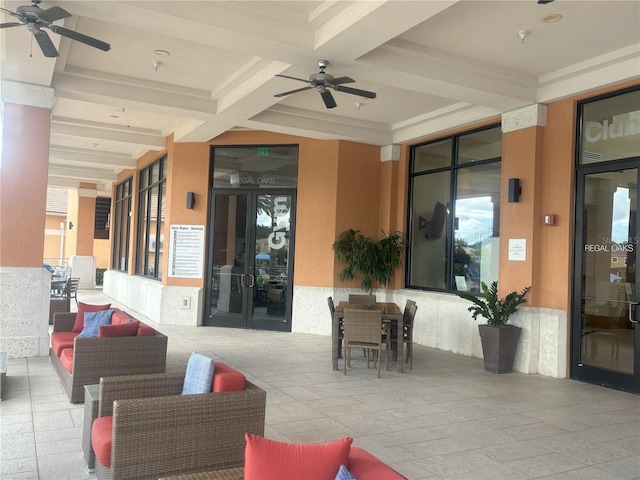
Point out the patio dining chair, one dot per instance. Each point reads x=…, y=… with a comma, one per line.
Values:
x=69, y=291
x=362, y=299
x=409, y=315
x=364, y=329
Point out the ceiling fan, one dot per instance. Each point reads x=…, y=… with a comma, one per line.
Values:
x=36, y=18
x=322, y=81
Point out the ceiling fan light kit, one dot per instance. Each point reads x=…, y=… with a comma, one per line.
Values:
x=322, y=81
x=35, y=18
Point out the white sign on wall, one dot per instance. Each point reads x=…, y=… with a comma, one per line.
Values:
x=518, y=249
x=186, y=251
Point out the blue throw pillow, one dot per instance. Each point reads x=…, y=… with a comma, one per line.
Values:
x=93, y=321
x=344, y=474
x=199, y=376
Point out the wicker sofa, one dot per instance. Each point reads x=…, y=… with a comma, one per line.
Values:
x=97, y=357
x=155, y=431
x=362, y=465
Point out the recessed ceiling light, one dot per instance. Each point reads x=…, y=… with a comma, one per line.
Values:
x=162, y=53
x=553, y=18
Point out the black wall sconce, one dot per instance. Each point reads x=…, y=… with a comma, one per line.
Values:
x=191, y=200
x=514, y=190
x=70, y=225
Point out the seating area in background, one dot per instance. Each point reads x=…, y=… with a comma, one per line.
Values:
x=395, y=322
x=63, y=289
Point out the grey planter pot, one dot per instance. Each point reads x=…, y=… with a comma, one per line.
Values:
x=499, y=346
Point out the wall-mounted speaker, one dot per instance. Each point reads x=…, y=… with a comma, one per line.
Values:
x=514, y=190
x=191, y=200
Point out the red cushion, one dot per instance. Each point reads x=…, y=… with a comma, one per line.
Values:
x=364, y=465
x=84, y=307
x=288, y=461
x=119, y=317
x=121, y=330
x=145, y=331
x=62, y=340
x=226, y=379
x=101, y=439
x=66, y=358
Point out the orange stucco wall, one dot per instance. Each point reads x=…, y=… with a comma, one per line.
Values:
x=188, y=171
x=23, y=184
x=52, y=238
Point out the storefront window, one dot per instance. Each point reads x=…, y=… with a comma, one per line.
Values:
x=454, y=202
x=121, y=226
x=150, y=247
x=611, y=128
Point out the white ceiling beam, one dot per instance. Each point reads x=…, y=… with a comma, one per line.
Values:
x=364, y=26
x=91, y=159
x=133, y=96
x=146, y=142
x=85, y=174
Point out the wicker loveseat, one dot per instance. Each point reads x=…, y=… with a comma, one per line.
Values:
x=155, y=431
x=96, y=357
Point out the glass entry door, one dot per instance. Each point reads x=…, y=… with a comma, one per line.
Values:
x=606, y=336
x=251, y=260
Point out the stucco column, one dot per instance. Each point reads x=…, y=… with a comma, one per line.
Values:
x=24, y=283
x=522, y=142
x=81, y=212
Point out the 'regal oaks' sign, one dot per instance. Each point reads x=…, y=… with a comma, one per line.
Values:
x=607, y=245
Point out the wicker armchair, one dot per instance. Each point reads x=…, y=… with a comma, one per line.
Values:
x=157, y=432
x=96, y=357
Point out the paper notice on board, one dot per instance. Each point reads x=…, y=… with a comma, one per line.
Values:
x=518, y=249
x=186, y=251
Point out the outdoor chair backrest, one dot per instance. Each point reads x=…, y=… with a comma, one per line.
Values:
x=362, y=299
x=332, y=307
x=363, y=326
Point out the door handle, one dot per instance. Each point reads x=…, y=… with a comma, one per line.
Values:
x=632, y=308
x=252, y=278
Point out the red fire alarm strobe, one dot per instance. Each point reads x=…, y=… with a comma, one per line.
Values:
x=550, y=219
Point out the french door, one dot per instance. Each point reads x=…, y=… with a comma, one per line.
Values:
x=250, y=265
x=605, y=332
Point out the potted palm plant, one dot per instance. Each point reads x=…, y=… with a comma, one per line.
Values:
x=499, y=340
x=373, y=260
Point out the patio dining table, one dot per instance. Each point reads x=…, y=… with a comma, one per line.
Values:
x=58, y=283
x=390, y=313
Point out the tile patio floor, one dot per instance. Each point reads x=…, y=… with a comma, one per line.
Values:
x=445, y=419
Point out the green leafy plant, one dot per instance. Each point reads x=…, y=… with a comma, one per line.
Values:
x=100, y=275
x=374, y=260
x=494, y=310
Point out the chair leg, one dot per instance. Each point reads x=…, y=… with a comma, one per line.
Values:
x=379, y=360
x=345, y=359
x=388, y=354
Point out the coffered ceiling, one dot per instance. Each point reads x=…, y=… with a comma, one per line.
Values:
x=433, y=64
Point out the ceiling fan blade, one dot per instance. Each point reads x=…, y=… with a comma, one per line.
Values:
x=355, y=91
x=54, y=13
x=10, y=24
x=340, y=80
x=284, y=94
x=9, y=12
x=93, y=42
x=293, y=78
x=46, y=45
x=329, y=102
